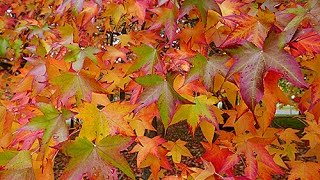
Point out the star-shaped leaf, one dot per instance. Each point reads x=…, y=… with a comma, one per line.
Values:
x=16, y=165
x=250, y=28
x=167, y=17
x=148, y=146
x=253, y=63
x=177, y=149
x=202, y=6
x=77, y=55
x=254, y=150
x=304, y=170
x=97, y=161
x=194, y=113
x=108, y=121
x=206, y=69
x=53, y=122
x=80, y=84
x=160, y=90
x=146, y=56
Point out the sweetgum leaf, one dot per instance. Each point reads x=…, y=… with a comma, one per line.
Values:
x=160, y=90
x=304, y=170
x=206, y=69
x=108, y=121
x=52, y=122
x=196, y=112
x=97, y=161
x=16, y=165
x=202, y=6
x=167, y=18
x=251, y=28
x=3, y=46
x=254, y=150
x=253, y=63
x=146, y=56
x=177, y=149
x=79, y=84
x=77, y=55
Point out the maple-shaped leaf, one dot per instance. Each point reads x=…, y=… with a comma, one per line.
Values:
x=115, y=11
x=304, y=170
x=160, y=90
x=97, y=161
x=206, y=69
x=147, y=56
x=78, y=55
x=254, y=150
x=230, y=7
x=310, y=12
x=88, y=14
x=80, y=84
x=253, y=63
x=305, y=41
x=194, y=37
x=149, y=146
x=250, y=28
x=66, y=33
x=74, y=4
x=201, y=5
x=136, y=8
x=143, y=119
x=312, y=133
x=16, y=165
x=176, y=150
x=4, y=44
x=166, y=17
x=218, y=156
x=53, y=122
x=196, y=112
x=155, y=162
x=108, y=121
x=207, y=173
x=314, y=152
x=272, y=95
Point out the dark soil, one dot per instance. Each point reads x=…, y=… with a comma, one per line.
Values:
x=174, y=132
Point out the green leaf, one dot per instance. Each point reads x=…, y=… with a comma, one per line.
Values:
x=3, y=46
x=146, y=56
x=202, y=6
x=66, y=33
x=149, y=80
x=161, y=91
x=77, y=55
x=193, y=113
x=79, y=84
x=97, y=161
x=253, y=63
x=52, y=122
x=16, y=165
x=206, y=69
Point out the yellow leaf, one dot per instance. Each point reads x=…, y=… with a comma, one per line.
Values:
x=177, y=149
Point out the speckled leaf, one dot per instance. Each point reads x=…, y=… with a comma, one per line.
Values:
x=253, y=63
x=176, y=150
x=52, y=122
x=206, y=69
x=79, y=84
x=16, y=165
x=108, y=121
x=160, y=90
x=193, y=113
x=97, y=161
x=146, y=56
x=202, y=6
x=77, y=55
